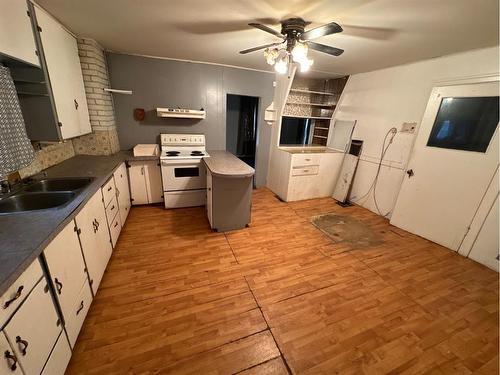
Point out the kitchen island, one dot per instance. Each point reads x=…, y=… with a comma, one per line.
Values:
x=229, y=191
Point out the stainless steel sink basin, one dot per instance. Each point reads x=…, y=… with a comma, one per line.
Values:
x=35, y=201
x=60, y=184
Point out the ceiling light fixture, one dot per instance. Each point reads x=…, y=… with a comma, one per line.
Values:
x=281, y=57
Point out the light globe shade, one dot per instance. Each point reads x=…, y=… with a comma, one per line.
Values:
x=306, y=65
x=299, y=52
x=281, y=66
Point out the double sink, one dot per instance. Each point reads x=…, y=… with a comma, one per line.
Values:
x=44, y=194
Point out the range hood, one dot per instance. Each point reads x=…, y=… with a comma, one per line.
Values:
x=181, y=113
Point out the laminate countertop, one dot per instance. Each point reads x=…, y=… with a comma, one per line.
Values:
x=225, y=164
x=309, y=150
x=24, y=235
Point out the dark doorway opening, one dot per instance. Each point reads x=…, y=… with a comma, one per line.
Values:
x=241, y=126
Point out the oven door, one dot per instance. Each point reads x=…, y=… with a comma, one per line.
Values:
x=183, y=175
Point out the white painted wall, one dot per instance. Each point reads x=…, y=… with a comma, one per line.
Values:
x=385, y=98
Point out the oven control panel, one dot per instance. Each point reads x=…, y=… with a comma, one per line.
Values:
x=182, y=139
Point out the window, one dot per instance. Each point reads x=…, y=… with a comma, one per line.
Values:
x=465, y=123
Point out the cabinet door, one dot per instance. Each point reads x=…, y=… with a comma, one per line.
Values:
x=95, y=239
x=16, y=34
x=59, y=358
x=8, y=359
x=78, y=314
x=154, y=186
x=122, y=192
x=63, y=65
x=66, y=266
x=33, y=330
x=138, y=189
x=209, y=198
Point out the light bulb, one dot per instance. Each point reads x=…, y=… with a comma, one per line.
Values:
x=299, y=52
x=305, y=65
x=281, y=66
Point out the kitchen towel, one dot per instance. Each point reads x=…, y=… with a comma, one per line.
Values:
x=16, y=151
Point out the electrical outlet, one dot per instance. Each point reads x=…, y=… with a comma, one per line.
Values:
x=408, y=127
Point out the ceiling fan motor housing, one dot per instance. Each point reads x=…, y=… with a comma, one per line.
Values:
x=292, y=28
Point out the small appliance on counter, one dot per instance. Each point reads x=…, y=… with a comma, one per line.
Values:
x=183, y=173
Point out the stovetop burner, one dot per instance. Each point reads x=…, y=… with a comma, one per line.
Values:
x=172, y=153
x=197, y=153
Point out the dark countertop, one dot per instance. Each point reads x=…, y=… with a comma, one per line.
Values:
x=225, y=164
x=23, y=236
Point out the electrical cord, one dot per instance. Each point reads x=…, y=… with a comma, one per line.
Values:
x=392, y=133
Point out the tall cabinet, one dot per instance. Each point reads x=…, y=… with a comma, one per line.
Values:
x=66, y=80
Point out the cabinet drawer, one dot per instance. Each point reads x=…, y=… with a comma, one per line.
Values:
x=8, y=360
x=108, y=191
x=305, y=171
x=305, y=159
x=115, y=228
x=34, y=329
x=59, y=358
x=74, y=322
x=111, y=210
x=18, y=291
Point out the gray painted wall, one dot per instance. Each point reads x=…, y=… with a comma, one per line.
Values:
x=168, y=83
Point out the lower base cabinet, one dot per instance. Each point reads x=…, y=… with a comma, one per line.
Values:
x=145, y=182
x=34, y=329
x=59, y=358
x=9, y=363
x=75, y=321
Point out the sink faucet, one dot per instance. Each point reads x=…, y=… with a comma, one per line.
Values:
x=4, y=187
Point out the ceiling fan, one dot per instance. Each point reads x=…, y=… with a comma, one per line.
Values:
x=295, y=43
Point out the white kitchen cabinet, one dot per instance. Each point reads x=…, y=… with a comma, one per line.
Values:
x=34, y=329
x=16, y=34
x=78, y=313
x=94, y=238
x=145, y=182
x=19, y=290
x=67, y=268
x=59, y=358
x=9, y=363
x=111, y=205
x=122, y=192
x=66, y=79
x=308, y=175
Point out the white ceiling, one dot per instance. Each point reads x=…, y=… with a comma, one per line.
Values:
x=377, y=33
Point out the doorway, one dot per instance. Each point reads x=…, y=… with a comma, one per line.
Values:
x=241, y=126
x=453, y=162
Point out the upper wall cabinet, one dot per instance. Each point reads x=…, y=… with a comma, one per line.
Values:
x=60, y=51
x=16, y=34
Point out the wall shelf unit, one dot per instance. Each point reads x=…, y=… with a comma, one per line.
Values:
x=312, y=92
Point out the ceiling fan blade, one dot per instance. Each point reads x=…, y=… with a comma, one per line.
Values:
x=259, y=47
x=325, y=49
x=329, y=28
x=375, y=33
x=266, y=29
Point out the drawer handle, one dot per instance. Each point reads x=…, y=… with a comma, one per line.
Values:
x=59, y=286
x=76, y=104
x=12, y=358
x=112, y=207
x=80, y=308
x=308, y=159
x=109, y=189
x=22, y=344
x=116, y=224
x=16, y=296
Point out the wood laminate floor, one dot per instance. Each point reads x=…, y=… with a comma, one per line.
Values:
x=280, y=297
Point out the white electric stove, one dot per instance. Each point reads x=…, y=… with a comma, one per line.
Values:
x=182, y=170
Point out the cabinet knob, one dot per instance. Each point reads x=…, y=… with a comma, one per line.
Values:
x=22, y=344
x=76, y=104
x=12, y=358
x=16, y=296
